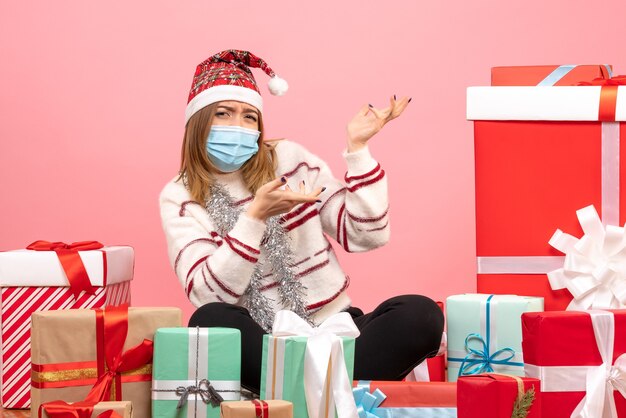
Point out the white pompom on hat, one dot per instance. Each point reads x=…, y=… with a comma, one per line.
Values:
x=227, y=76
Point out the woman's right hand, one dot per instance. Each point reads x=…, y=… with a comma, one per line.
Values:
x=270, y=200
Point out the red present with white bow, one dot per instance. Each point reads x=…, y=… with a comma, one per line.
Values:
x=579, y=356
x=39, y=280
x=541, y=153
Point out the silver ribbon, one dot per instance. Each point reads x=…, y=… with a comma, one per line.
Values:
x=207, y=393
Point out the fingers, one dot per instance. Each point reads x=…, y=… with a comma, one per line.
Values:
x=275, y=184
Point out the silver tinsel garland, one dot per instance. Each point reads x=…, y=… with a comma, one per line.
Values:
x=277, y=249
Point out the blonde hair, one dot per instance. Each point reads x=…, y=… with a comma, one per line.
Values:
x=198, y=171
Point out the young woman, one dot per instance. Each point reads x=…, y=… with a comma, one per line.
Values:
x=247, y=224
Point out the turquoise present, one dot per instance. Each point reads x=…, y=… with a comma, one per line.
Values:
x=284, y=366
x=485, y=333
x=194, y=368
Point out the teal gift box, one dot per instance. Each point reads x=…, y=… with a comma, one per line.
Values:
x=485, y=333
x=190, y=366
x=282, y=369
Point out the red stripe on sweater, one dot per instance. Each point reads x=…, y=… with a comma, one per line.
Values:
x=242, y=201
x=343, y=189
x=367, y=220
x=379, y=228
x=312, y=269
x=339, y=222
x=303, y=164
x=195, y=265
x=206, y=282
x=302, y=220
x=241, y=244
x=299, y=275
x=345, y=236
x=220, y=284
x=296, y=212
x=321, y=303
x=183, y=206
x=190, y=243
x=362, y=176
x=189, y=287
x=239, y=252
x=367, y=183
x=328, y=248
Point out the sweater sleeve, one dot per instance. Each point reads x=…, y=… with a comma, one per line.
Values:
x=353, y=211
x=209, y=266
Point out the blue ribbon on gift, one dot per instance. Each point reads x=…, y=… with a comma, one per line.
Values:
x=560, y=72
x=480, y=360
x=366, y=402
x=367, y=405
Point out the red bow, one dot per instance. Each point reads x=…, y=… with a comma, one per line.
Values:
x=618, y=80
x=71, y=262
x=608, y=95
x=61, y=409
x=111, y=331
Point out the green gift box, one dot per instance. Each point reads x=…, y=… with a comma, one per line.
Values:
x=190, y=366
x=485, y=333
x=282, y=369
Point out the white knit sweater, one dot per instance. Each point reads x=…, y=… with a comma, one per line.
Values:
x=214, y=268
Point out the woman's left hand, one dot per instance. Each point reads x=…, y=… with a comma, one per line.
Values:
x=370, y=120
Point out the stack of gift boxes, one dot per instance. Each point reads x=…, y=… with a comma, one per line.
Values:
x=544, y=336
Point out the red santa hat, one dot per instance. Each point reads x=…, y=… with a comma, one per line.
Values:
x=227, y=76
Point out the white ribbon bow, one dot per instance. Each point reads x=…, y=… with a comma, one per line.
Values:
x=603, y=379
x=594, y=271
x=323, y=361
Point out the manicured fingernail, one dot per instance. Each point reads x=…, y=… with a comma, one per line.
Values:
x=410, y=100
x=283, y=179
x=318, y=201
x=394, y=97
x=303, y=183
x=323, y=188
x=370, y=105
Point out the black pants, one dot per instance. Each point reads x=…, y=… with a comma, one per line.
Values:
x=398, y=335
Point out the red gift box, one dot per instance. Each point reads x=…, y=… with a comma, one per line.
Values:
x=540, y=155
x=554, y=75
x=38, y=281
x=494, y=395
x=562, y=349
x=413, y=394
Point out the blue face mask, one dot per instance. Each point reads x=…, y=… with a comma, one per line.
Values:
x=229, y=147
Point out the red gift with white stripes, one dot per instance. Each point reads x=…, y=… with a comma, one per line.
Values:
x=39, y=280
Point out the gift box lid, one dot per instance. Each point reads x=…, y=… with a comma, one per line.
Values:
x=29, y=268
x=566, y=103
x=547, y=75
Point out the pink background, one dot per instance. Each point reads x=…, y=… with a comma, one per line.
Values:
x=92, y=98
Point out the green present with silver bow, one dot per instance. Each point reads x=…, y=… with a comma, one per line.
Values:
x=312, y=367
x=194, y=370
x=485, y=333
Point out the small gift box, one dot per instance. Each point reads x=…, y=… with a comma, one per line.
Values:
x=60, y=409
x=52, y=276
x=547, y=75
x=96, y=355
x=406, y=399
x=257, y=409
x=495, y=395
x=485, y=333
x=580, y=358
x=312, y=368
x=194, y=370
